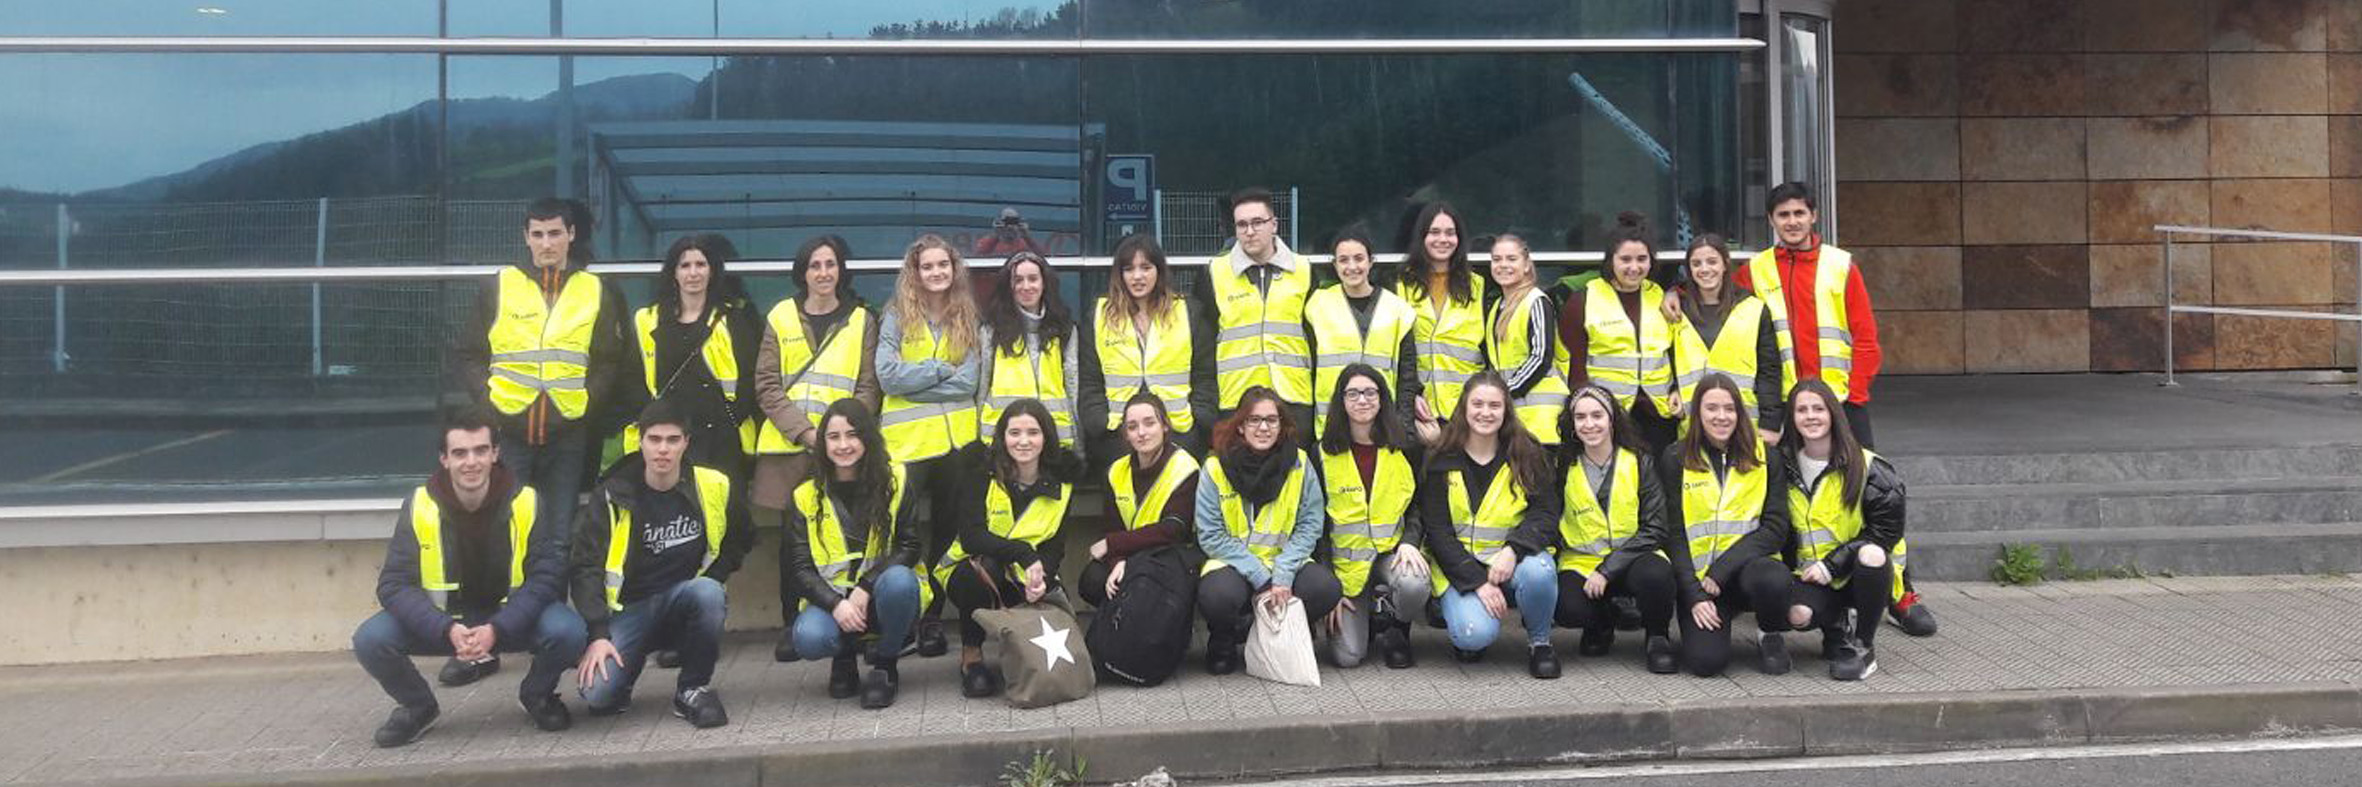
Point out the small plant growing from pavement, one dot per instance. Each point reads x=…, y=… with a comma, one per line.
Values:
x=2019, y=564
x=2066, y=568
x=1044, y=770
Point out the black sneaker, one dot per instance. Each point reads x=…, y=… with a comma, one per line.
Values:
x=1913, y=617
x=1596, y=642
x=1466, y=656
x=1661, y=659
x=1394, y=644
x=1774, y=653
x=406, y=724
x=461, y=673
x=669, y=659
x=547, y=712
x=702, y=707
x=877, y=690
x=1853, y=662
x=977, y=681
x=1542, y=663
x=785, y=651
x=844, y=677
x=930, y=643
x=1223, y=658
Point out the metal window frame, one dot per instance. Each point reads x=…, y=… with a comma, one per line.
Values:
x=1776, y=116
x=840, y=46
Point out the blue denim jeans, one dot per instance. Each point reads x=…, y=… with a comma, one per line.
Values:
x=1533, y=589
x=685, y=618
x=384, y=649
x=893, y=608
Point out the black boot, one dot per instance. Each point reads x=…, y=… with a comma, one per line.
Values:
x=930, y=638
x=1660, y=656
x=1774, y=654
x=844, y=677
x=877, y=690
x=1596, y=641
x=1542, y=662
x=461, y=673
x=1393, y=642
x=1224, y=654
x=785, y=651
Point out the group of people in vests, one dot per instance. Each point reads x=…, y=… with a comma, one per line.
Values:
x=1448, y=447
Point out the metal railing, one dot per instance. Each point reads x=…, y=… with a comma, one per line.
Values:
x=2167, y=231
x=493, y=45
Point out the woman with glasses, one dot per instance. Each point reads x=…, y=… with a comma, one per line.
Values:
x=1259, y=517
x=1368, y=471
x=1031, y=341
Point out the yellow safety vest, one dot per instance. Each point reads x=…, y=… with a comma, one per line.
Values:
x=1138, y=511
x=1364, y=523
x=1624, y=360
x=1824, y=522
x=1030, y=374
x=434, y=574
x=1538, y=409
x=1592, y=534
x=1733, y=353
x=1449, y=340
x=712, y=489
x=824, y=529
x=1268, y=530
x=829, y=371
x=1040, y=522
x=1261, y=340
x=918, y=431
x=1338, y=342
x=1716, y=513
x=720, y=359
x=539, y=348
x=1836, y=338
x=1485, y=531
x=1159, y=362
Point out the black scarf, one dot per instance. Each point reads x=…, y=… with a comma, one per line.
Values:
x=1258, y=474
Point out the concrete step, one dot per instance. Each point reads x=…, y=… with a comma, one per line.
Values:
x=2178, y=464
x=1943, y=508
x=2209, y=550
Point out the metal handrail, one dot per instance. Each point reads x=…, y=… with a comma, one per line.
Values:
x=306, y=275
x=2167, y=231
x=495, y=45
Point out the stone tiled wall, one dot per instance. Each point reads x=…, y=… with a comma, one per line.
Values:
x=2001, y=162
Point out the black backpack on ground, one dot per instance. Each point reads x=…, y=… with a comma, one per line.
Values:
x=1142, y=633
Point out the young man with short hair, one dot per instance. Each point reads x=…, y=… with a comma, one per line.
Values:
x=651, y=551
x=472, y=569
x=1249, y=304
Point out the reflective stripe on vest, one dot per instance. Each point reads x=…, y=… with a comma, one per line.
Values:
x=1160, y=362
x=1266, y=530
x=1338, y=342
x=1364, y=522
x=1589, y=533
x=1032, y=372
x=1824, y=522
x=824, y=534
x=1130, y=507
x=538, y=348
x=1732, y=356
x=1625, y=360
x=1717, y=512
x=924, y=430
x=426, y=523
x=718, y=353
x=1538, y=409
x=828, y=377
x=1836, y=339
x=713, y=502
x=1449, y=340
x=1035, y=527
x=1486, y=530
x=1259, y=338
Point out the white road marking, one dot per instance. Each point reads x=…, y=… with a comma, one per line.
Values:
x=128, y=456
x=1857, y=762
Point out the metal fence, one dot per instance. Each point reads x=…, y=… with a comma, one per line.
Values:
x=1198, y=222
x=2168, y=231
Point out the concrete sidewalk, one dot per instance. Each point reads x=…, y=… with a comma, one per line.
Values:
x=2060, y=663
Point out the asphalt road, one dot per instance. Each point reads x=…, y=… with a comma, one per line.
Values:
x=2302, y=762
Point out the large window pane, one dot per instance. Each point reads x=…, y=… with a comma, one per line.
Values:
x=1030, y=19
x=220, y=18
x=1402, y=18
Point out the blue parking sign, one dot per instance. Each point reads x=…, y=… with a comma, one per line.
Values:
x=1128, y=186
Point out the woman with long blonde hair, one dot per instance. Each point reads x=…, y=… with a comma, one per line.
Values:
x=927, y=364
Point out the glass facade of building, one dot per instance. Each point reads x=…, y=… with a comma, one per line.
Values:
x=203, y=160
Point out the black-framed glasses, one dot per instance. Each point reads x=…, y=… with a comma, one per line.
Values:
x=1257, y=224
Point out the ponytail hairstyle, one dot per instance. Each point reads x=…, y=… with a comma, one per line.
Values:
x=1846, y=457
x=1622, y=433
x=1631, y=227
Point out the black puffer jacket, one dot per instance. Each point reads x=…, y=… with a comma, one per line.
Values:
x=804, y=574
